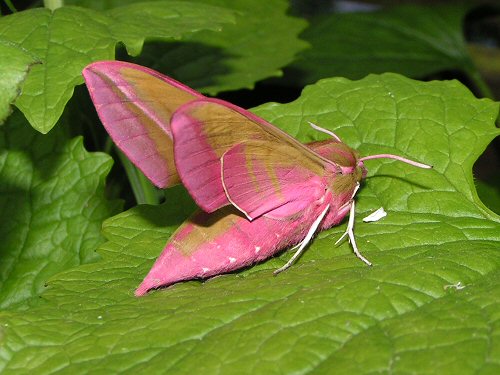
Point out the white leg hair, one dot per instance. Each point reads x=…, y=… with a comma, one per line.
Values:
x=301, y=246
x=350, y=232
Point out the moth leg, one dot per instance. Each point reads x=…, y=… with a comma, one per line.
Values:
x=296, y=246
x=350, y=232
x=351, y=214
x=302, y=245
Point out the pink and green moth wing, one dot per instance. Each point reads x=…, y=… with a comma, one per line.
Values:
x=267, y=177
x=135, y=105
x=210, y=244
x=209, y=131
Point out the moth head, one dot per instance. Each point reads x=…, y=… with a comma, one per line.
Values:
x=347, y=159
x=350, y=167
x=344, y=157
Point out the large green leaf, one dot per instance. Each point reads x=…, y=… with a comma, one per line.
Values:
x=52, y=204
x=411, y=40
x=14, y=66
x=242, y=54
x=69, y=38
x=428, y=305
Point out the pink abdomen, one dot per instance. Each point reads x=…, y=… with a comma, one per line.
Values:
x=211, y=244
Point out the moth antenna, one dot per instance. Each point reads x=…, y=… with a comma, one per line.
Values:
x=396, y=157
x=304, y=242
x=320, y=129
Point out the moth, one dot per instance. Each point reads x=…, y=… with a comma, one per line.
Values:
x=259, y=189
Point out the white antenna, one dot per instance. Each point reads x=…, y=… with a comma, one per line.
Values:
x=320, y=129
x=396, y=157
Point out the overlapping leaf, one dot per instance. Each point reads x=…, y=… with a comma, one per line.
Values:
x=71, y=37
x=13, y=69
x=411, y=40
x=52, y=203
x=429, y=304
x=242, y=54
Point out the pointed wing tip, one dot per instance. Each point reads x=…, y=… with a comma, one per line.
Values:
x=96, y=65
x=106, y=65
x=140, y=292
x=87, y=72
x=147, y=284
x=203, y=203
x=142, y=289
x=93, y=70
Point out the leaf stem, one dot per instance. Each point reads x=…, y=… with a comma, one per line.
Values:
x=480, y=83
x=144, y=191
x=53, y=4
x=108, y=145
x=11, y=6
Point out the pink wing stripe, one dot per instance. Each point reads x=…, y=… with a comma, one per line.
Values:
x=124, y=127
x=105, y=80
x=197, y=163
x=203, y=130
x=128, y=116
x=257, y=188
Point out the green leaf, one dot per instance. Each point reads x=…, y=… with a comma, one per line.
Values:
x=428, y=305
x=13, y=69
x=69, y=38
x=490, y=195
x=240, y=55
x=52, y=203
x=410, y=40
x=243, y=53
